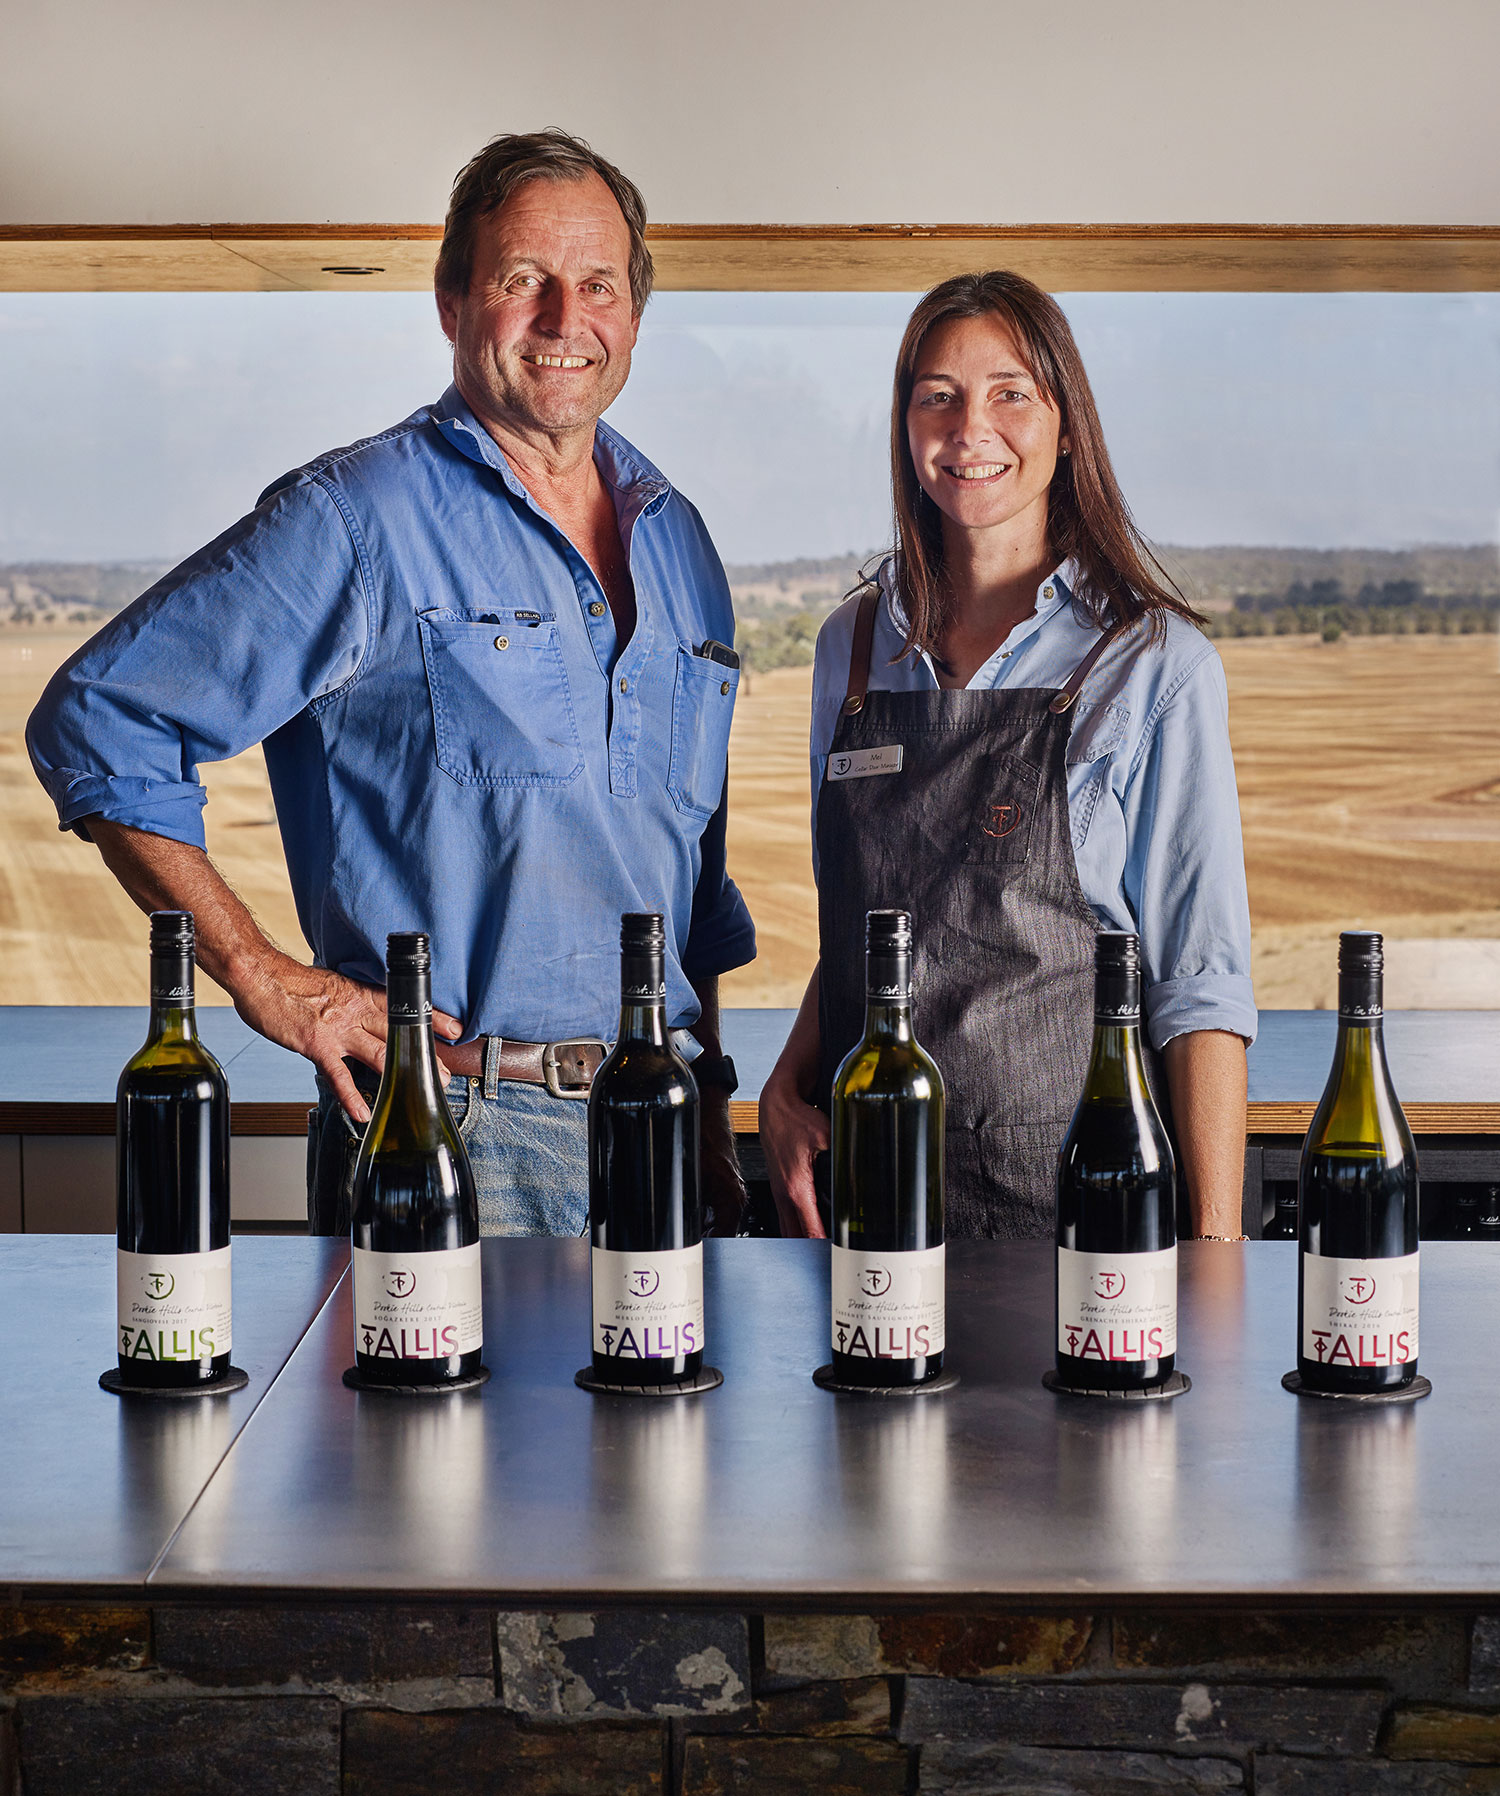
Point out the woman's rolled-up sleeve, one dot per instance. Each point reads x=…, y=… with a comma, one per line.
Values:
x=213, y=659
x=1184, y=875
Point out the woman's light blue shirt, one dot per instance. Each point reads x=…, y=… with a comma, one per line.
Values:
x=1151, y=789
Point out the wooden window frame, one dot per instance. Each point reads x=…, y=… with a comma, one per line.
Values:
x=781, y=258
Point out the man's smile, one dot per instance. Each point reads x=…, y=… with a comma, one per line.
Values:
x=557, y=361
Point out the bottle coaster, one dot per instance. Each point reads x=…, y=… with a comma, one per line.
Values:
x=1406, y=1393
x=231, y=1379
x=1162, y=1393
x=824, y=1379
x=709, y=1379
x=356, y=1381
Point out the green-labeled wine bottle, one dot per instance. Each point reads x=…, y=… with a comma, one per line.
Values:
x=1358, y=1204
x=888, y=1281
x=172, y=1184
x=1116, y=1202
x=417, y=1305
x=645, y=1213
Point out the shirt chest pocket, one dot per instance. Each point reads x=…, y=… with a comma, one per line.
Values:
x=702, y=710
x=1098, y=731
x=502, y=711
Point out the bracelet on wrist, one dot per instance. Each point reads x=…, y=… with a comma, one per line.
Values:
x=1219, y=1237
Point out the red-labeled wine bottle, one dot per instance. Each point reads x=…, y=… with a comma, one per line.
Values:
x=418, y=1317
x=172, y=1185
x=1116, y=1202
x=1358, y=1203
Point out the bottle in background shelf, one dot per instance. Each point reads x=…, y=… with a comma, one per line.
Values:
x=1116, y=1202
x=172, y=1185
x=889, y=1277
x=645, y=1211
x=418, y=1317
x=1358, y=1200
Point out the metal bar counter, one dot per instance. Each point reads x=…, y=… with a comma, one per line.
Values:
x=94, y=1485
x=297, y=1591
x=767, y=1492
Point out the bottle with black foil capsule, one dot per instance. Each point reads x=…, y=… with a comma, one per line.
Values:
x=1358, y=1203
x=1116, y=1202
x=645, y=1210
x=417, y=1307
x=888, y=1276
x=172, y=1185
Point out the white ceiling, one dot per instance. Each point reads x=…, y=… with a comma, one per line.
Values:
x=759, y=111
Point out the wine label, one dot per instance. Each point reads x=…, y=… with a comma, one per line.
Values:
x=1117, y=1306
x=889, y=1305
x=417, y=1305
x=1358, y=1313
x=648, y=1305
x=173, y=1306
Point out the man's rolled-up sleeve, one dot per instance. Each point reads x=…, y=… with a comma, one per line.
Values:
x=1185, y=872
x=214, y=658
x=721, y=935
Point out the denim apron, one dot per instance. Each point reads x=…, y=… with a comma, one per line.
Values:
x=971, y=834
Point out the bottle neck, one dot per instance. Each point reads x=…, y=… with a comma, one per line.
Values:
x=410, y=1053
x=643, y=996
x=173, y=1015
x=1116, y=1067
x=888, y=994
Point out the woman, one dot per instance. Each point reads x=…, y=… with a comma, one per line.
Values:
x=1063, y=765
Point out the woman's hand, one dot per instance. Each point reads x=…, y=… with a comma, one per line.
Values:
x=792, y=1133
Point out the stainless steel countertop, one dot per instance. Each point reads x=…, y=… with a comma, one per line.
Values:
x=94, y=1485
x=769, y=1492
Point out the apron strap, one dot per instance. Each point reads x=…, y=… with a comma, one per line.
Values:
x=1065, y=698
x=859, y=653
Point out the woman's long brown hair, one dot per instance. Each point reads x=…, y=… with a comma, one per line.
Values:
x=1088, y=521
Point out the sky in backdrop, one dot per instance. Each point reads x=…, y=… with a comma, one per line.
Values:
x=137, y=426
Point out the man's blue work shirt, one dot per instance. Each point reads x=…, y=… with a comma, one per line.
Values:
x=455, y=740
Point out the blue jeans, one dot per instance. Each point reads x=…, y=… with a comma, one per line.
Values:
x=528, y=1149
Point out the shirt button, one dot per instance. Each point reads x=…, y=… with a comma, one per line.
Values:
x=724, y=687
x=1049, y=591
x=624, y=685
x=596, y=609
x=502, y=642
x=1005, y=654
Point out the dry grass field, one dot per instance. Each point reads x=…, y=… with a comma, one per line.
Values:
x=1369, y=778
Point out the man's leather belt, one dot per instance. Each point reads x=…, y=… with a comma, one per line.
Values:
x=566, y=1068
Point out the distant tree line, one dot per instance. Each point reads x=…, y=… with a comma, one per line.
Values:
x=1391, y=608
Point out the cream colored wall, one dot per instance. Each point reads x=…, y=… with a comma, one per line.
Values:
x=767, y=111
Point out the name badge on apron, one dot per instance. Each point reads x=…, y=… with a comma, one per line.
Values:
x=862, y=762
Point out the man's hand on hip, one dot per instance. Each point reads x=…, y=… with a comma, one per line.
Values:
x=326, y=1018
x=318, y=1014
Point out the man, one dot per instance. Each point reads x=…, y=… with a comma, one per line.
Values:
x=485, y=653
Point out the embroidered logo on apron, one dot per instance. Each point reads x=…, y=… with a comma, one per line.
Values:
x=860, y=763
x=1003, y=818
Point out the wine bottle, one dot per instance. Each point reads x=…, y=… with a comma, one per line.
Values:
x=645, y=1212
x=1116, y=1202
x=888, y=1281
x=172, y=1185
x=417, y=1306
x=1358, y=1199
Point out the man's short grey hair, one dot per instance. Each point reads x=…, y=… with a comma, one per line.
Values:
x=505, y=164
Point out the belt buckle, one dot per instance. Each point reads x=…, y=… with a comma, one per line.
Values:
x=549, y=1067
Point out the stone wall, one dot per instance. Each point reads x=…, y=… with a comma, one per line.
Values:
x=393, y=1701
